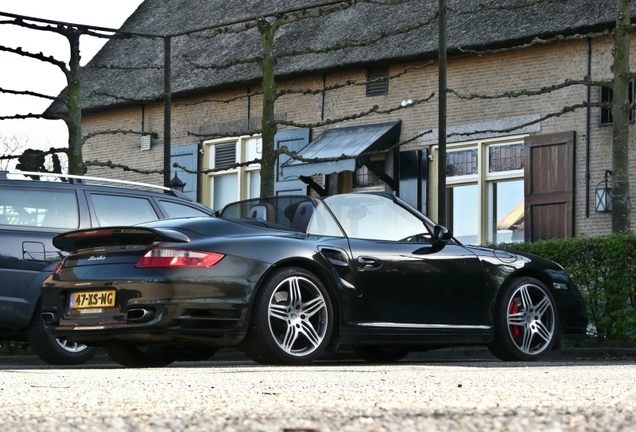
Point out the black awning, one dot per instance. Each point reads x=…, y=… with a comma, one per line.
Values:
x=347, y=142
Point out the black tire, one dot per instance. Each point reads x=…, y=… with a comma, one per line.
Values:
x=380, y=354
x=132, y=356
x=526, y=321
x=54, y=351
x=292, y=319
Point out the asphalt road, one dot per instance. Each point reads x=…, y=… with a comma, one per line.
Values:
x=328, y=396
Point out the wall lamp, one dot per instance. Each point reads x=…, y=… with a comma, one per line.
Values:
x=176, y=183
x=603, y=194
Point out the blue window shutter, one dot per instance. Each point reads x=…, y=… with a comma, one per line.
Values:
x=294, y=140
x=188, y=157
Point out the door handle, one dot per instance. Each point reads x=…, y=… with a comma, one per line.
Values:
x=368, y=263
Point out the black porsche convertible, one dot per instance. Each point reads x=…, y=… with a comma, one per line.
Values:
x=286, y=279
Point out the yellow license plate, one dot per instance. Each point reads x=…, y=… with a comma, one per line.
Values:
x=92, y=299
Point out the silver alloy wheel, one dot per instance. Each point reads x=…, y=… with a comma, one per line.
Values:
x=72, y=347
x=297, y=316
x=531, y=319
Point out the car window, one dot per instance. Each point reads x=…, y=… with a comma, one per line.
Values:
x=322, y=223
x=175, y=210
x=122, y=210
x=35, y=207
x=374, y=217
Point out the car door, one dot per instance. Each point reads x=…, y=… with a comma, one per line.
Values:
x=417, y=283
x=403, y=277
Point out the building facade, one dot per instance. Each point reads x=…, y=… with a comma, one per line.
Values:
x=520, y=164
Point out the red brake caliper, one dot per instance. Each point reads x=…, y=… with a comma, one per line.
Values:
x=514, y=330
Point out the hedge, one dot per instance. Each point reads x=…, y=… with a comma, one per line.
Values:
x=604, y=269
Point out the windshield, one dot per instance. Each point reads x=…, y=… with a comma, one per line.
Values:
x=367, y=216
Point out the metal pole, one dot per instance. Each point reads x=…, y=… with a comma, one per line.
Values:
x=166, y=111
x=441, y=159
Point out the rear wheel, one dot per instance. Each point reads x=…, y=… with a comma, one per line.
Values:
x=141, y=357
x=380, y=354
x=526, y=321
x=55, y=351
x=292, y=319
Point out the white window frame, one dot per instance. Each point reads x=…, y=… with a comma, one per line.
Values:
x=483, y=179
x=245, y=152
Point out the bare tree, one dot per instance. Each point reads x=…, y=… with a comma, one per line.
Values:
x=621, y=207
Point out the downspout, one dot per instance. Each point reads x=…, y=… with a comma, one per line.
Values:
x=587, y=130
x=322, y=101
x=249, y=109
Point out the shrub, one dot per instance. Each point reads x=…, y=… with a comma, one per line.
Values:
x=604, y=269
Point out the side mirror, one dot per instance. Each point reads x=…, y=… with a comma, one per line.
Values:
x=441, y=234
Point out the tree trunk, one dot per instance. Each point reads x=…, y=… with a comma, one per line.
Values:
x=74, y=117
x=621, y=207
x=268, y=161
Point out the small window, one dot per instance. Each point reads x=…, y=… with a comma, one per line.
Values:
x=176, y=210
x=461, y=162
x=378, y=81
x=505, y=157
x=364, y=178
x=114, y=210
x=607, y=95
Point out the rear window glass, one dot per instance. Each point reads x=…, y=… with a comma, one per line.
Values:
x=114, y=210
x=34, y=207
x=176, y=210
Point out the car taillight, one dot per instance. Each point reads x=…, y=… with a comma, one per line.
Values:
x=161, y=257
x=58, y=267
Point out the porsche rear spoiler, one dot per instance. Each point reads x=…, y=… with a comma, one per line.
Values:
x=115, y=236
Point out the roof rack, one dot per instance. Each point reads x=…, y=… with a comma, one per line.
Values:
x=78, y=179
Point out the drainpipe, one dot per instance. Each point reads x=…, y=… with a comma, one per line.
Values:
x=167, y=98
x=249, y=109
x=587, y=130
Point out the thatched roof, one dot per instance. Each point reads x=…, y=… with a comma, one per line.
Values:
x=132, y=69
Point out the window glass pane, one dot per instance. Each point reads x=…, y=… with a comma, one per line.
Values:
x=175, y=210
x=118, y=210
x=363, y=177
x=464, y=216
x=507, y=201
x=461, y=162
x=225, y=190
x=507, y=157
x=253, y=149
x=39, y=208
x=254, y=184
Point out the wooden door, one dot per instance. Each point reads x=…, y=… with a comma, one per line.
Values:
x=549, y=186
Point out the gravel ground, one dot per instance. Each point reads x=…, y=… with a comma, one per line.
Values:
x=241, y=396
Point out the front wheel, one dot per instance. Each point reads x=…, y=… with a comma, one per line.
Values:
x=526, y=321
x=292, y=319
x=132, y=356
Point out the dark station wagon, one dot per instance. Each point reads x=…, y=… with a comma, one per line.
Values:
x=32, y=212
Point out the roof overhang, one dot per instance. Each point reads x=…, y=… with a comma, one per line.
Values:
x=336, y=150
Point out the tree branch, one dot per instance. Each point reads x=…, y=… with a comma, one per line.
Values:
x=374, y=110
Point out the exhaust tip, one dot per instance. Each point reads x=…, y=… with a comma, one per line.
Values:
x=140, y=315
x=50, y=318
